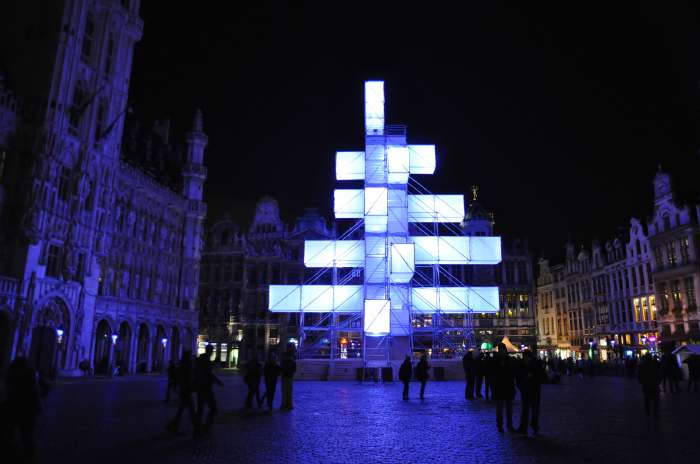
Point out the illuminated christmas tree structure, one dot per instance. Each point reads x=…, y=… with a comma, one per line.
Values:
x=401, y=269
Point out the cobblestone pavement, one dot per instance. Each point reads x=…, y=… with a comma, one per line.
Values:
x=591, y=420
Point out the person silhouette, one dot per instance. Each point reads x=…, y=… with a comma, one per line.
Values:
x=422, y=374
x=183, y=379
x=469, y=374
x=649, y=376
x=503, y=387
x=204, y=379
x=405, y=374
x=271, y=371
x=252, y=380
x=24, y=391
x=287, y=370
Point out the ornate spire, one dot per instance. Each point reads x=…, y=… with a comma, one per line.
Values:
x=197, y=126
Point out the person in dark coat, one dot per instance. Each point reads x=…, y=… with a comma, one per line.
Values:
x=693, y=362
x=172, y=381
x=503, y=387
x=204, y=379
x=271, y=372
x=488, y=375
x=670, y=373
x=24, y=390
x=649, y=376
x=529, y=381
x=469, y=373
x=479, y=367
x=405, y=374
x=287, y=370
x=252, y=380
x=422, y=374
x=183, y=378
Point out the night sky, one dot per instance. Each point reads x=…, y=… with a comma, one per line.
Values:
x=561, y=115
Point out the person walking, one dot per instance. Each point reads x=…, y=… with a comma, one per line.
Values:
x=469, y=374
x=172, y=382
x=252, y=380
x=529, y=383
x=479, y=365
x=503, y=387
x=405, y=374
x=271, y=371
x=183, y=378
x=693, y=362
x=204, y=379
x=649, y=376
x=24, y=391
x=488, y=375
x=422, y=374
x=287, y=370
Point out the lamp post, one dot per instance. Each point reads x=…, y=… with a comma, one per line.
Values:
x=57, y=356
x=164, y=342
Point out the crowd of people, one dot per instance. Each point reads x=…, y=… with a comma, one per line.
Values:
x=490, y=376
x=194, y=387
x=496, y=377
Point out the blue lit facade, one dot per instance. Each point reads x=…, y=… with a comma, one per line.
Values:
x=99, y=255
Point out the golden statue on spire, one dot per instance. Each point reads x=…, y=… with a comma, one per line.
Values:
x=475, y=192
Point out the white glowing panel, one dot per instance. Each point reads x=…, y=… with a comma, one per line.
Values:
x=376, y=224
x=485, y=250
x=483, y=299
x=350, y=165
x=441, y=250
x=316, y=298
x=375, y=246
x=435, y=208
x=374, y=107
x=397, y=164
x=334, y=253
x=402, y=262
x=422, y=159
x=455, y=299
x=348, y=203
x=376, y=202
x=377, y=317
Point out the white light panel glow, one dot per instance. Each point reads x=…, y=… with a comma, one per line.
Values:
x=334, y=253
x=374, y=107
x=376, y=201
x=348, y=203
x=435, y=208
x=397, y=164
x=402, y=262
x=350, y=165
x=455, y=299
x=422, y=159
x=485, y=250
x=316, y=298
x=377, y=317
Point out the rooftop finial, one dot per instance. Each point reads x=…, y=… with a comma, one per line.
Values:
x=197, y=126
x=475, y=192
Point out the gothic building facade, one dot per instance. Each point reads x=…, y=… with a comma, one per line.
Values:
x=98, y=257
x=635, y=293
x=238, y=266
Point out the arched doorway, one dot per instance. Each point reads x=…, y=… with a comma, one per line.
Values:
x=160, y=343
x=122, y=349
x=103, y=341
x=174, y=343
x=50, y=332
x=5, y=340
x=142, y=349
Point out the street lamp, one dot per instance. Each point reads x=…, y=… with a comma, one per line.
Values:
x=114, y=338
x=164, y=341
x=59, y=335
